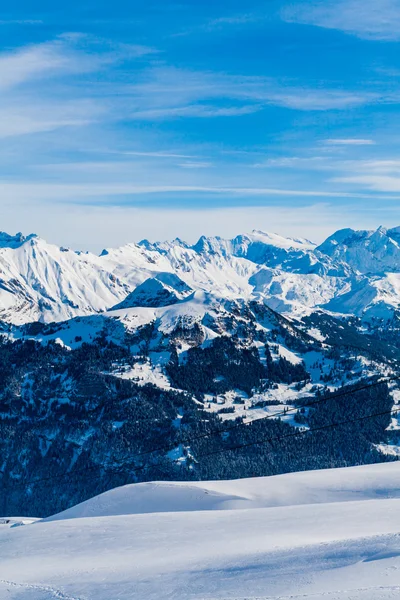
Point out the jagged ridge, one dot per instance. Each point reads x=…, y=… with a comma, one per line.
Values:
x=352, y=272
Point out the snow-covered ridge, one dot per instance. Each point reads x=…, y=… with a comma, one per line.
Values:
x=351, y=272
x=369, y=482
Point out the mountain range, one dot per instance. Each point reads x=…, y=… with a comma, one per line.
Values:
x=159, y=360
x=352, y=272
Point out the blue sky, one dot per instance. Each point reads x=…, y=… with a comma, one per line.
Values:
x=125, y=120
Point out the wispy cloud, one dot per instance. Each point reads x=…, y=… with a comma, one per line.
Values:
x=24, y=118
x=217, y=24
x=238, y=19
x=167, y=92
x=21, y=22
x=49, y=87
x=349, y=142
x=40, y=86
x=194, y=110
x=29, y=102
x=300, y=98
x=381, y=165
x=370, y=19
x=43, y=89
x=45, y=191
x=108, y=124
x=34, y=62
x=296, y=162
x=376, y=183
x=69, y=54
x=377, y=175
x=196, y=165
x=152, y=154
x=367, y=166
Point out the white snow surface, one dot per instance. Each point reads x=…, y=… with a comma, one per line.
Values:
x=307, y=487
x=321, y=535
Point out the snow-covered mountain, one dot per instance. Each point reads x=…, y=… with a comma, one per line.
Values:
x=163, y=289
x=367, y=252
x=222, y=360
x=352, y=272
x=104, y=358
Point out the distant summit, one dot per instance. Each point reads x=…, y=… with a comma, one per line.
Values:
x=14, y=241
x=162, y=290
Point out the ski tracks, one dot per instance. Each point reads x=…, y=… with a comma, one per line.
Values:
x=351, y=594
x=54, y=592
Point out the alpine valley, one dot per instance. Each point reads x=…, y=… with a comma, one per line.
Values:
x=225, y=359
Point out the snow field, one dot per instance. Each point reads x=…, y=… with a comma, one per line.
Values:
x=318, y=535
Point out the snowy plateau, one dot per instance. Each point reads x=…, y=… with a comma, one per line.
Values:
x=175, y=419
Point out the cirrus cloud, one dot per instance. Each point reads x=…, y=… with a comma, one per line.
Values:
x=369, y=19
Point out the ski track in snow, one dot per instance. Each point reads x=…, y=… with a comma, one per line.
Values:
x=54, y=593
x=392, y=591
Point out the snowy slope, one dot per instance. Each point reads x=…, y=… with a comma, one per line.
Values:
x=340, y=548
x=292, y=489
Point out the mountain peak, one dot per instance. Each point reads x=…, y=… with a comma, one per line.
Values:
x=366, y=251
x=163, y=289
x=14, y=241
x=279, y=240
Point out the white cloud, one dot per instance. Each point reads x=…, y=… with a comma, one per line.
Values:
x=40, y=93
x=240, y=19
x=195, y=165
x=377, y=183
x=80, y=191
x=234, y=20
x=370, y=19
x=349, y=142
x=167, y=92
x=21, y=22
x=296, y=162
x=38, y=89
x=32, y=62
x=381, y=166
x=199, y=111
x=36, y=99
x=315, y=99
x=377, y=166
x=29, y=103
x=22, y=118
x=69, y=54
x=153, y=154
